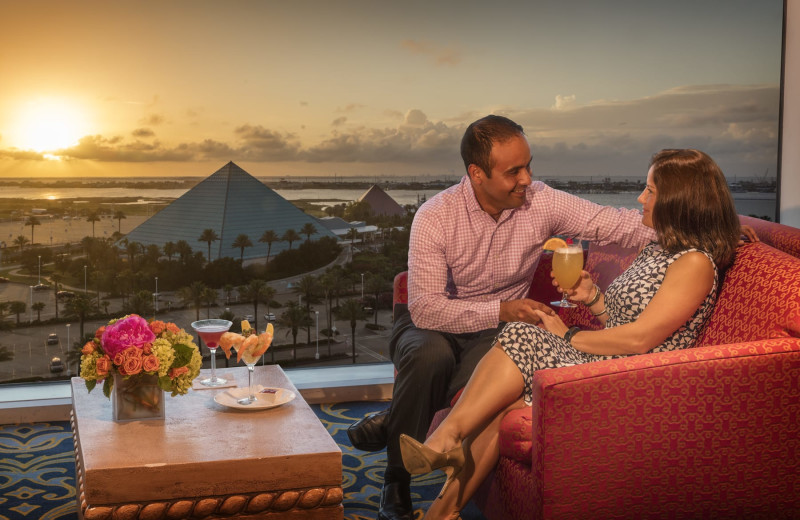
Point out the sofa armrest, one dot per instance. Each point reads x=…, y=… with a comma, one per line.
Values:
x=688, y=431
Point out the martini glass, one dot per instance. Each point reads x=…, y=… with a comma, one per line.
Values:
x=567, y=265
x=210, y=331
x=250, y=360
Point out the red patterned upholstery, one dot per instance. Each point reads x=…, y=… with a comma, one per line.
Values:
x=782, y=238
x=709, y=432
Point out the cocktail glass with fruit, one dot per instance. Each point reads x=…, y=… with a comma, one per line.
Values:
x=567, y=266
x=210, y=331
x=249, y=350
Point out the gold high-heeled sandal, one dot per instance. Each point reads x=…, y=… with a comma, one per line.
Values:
x=419, y=459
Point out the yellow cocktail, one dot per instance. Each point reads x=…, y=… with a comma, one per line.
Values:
x=567, y=266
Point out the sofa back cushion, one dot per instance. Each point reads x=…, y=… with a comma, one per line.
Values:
x=781, y=237
x=759, y=298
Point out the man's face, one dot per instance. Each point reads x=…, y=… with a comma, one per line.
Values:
x=511, y=175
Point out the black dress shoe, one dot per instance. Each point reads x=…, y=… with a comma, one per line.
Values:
x=369, y=433
x=396, y=502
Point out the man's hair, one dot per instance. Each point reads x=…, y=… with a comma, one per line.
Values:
x=694, y=207
x=476, y=145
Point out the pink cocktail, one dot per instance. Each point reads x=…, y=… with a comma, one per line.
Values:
x=210, y=331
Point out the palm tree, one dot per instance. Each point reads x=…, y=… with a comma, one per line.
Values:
x=328, y=284
x=80, y=307
x=38, y=306
x=293, y=318
x=308, y=287
x=32, y=221
x=21, y=240
x=184, y=250
x=209, y=298
x=170, y=249
x=257, y=292
x=17, y=307
x=268, y=237
x=352, y=234
x=193, y=295
x=141, y=303
x=92, y=217
x=208, y=236
x=290, y=236
x=375, y=285
x=241, y=242
x=308, y=230
x=57, y=278
x=269, y=295
x=119, y=215
x=351, y=310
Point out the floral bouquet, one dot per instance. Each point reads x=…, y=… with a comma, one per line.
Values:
x=132, y=346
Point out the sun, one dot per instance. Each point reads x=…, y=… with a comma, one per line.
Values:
x=46, y=125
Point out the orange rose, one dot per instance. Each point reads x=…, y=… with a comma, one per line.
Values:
x=88, y=348
x=173, y=328
x=103, y=366
x=147, y=349
x=150, y=363
x=179, y=371
x=119, y=358
x=132, y=365
x=99, y=332
x=157, y=327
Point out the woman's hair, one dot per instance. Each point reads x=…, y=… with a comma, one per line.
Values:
x=694, y=207
x=476, y=145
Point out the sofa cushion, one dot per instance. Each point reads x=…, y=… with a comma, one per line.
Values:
x=781, y=237
x=759, y=298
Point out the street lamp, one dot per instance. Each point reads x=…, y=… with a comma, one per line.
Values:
x=362, y=288
x=156, y=295
x=40, y=269
x=68, y=345
x=84, y=279
x=30, y=307
x=316, y=356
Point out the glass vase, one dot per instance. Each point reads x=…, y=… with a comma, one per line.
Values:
x=137, y=398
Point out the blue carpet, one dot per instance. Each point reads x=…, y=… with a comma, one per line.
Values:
x=37, y=469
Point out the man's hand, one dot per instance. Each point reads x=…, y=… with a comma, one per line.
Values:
x=523, y=310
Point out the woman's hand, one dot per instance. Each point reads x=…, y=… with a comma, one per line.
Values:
x=552, y=323
x=583, y=290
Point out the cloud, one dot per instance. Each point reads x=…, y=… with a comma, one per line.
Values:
x=439, y=54
x=152, y=120
x=352, y=107
x=143, y=133
x=737, y=125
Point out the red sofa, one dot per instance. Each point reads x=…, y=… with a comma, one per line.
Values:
x=710, y=432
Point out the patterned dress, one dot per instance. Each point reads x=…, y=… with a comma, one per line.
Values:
x=534, y=348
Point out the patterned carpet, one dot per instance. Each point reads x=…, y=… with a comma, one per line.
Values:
x=37, y=469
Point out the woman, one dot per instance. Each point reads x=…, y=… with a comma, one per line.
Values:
x=661, y=302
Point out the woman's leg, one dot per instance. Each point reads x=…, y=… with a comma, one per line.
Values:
x=496, y=384
x=482, y=453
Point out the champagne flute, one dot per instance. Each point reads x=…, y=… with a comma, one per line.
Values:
x=210, y=331
x=567, y=266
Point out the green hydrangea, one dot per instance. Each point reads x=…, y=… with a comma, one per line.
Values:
x=162, y=349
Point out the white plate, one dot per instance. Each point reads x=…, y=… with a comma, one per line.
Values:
x=266, y=397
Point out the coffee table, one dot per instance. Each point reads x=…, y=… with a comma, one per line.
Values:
x=206, y=460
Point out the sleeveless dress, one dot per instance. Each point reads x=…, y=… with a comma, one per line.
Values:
x=533, y=348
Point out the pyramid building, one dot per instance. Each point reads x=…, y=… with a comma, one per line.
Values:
x=231, y=202
x=381, y=203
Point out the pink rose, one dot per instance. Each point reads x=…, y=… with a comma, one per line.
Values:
x=132, y=331
x=150, y=363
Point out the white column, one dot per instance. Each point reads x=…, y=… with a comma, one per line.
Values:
x=790, y=151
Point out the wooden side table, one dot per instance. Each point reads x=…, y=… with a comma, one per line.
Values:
x=205, y=460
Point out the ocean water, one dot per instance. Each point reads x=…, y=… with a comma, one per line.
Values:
x=746, y=203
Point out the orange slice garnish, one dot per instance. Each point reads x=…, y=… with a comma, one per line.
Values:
x=554, y=243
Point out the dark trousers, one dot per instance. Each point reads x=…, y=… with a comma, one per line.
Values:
x=431, y=367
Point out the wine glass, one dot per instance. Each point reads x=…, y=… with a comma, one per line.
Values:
x=250, y=359
x=210, y=331
x=567, y=266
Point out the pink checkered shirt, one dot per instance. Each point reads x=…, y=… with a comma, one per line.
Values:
x=462, y=264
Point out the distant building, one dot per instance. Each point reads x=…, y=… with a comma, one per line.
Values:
x=381, y=203
x=231, y=202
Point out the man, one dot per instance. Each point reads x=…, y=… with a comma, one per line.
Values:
x=473, y=250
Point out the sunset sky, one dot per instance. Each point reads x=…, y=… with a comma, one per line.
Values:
x=166, y=88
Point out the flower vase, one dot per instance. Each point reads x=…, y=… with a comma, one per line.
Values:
x=137, y=398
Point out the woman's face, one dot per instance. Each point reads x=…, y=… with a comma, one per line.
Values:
x=648, y=200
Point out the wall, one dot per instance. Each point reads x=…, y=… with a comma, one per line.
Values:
x=790, y=163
